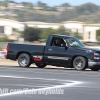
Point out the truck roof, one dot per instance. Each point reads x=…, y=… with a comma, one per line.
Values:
x=61, y=35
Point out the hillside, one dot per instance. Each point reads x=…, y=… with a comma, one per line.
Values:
x=26, y=11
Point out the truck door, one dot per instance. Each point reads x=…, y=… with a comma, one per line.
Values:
x=56, y=53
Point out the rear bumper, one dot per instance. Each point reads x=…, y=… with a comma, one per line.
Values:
x=6, y=56
x=10, y=56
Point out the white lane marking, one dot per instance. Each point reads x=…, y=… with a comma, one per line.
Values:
x=47, y=88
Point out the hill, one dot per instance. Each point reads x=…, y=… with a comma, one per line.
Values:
x=26, y=11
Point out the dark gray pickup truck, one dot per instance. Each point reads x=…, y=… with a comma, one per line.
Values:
x=60, y=50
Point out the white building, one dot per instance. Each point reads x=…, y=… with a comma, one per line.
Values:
x=74, y=26
x=13, y=5
x=6, y=26
x=42, y=25
x=88, y=31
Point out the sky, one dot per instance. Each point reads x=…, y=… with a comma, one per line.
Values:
x=58, y=2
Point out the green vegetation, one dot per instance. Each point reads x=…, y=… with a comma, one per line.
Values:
x=89, y=12
x=47, y=32
x=34, y=34
x=31, y=34
x=87, y=8
x=77, y=35
x=4, y=39
x=98, y=35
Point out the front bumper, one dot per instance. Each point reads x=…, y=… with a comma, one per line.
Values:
x=92, y=64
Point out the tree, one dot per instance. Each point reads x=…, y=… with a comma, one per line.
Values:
x=31, y=34
x=65, y=5
x=98, y=35
x=90, y=7
x=4, y=39
x=47, y=32
x=77, y=35
x=41, y=4
x=53, y=9
x=44, y=6
x=50, y=31
x=62, y=30
x=28, y=4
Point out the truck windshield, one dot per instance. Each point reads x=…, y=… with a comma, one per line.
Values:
x=73, y=42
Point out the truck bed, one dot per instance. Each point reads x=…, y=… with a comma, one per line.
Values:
x=15, y=49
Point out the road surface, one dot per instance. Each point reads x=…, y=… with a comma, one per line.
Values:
x=48, y=84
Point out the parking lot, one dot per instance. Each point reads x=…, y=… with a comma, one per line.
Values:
x=72, y=84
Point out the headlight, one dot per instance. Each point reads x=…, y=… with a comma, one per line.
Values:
x=96, y=54
x=89, y=51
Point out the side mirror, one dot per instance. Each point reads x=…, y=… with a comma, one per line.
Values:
x=66, y=46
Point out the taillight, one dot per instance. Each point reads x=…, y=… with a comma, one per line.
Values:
x=7, y=48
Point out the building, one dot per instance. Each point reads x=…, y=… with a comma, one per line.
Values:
x=74, y=26
x=87, y=31
x=3, y=8
x=7, y=13
x=38, y=8
x=13, y=5
x=42, y=25
x=7, y=26
x=61, y=9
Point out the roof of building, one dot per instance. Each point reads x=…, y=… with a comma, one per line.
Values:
x=73, y=22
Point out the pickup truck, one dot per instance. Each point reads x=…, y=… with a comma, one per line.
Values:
x=60, y=50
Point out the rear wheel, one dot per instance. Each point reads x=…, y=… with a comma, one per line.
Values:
x=24, y=60
x=80, y=63
x=40, y=65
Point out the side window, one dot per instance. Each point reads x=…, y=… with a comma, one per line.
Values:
x=56, y=41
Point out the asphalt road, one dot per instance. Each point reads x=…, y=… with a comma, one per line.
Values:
x=48, y=84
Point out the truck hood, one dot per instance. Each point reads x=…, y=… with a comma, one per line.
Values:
x=92, y=49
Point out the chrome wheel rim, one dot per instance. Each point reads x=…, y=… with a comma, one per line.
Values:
x=23, y=61
x=79, y=63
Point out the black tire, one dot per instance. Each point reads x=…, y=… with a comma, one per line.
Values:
x=95, y=69
x=80, y=63
x=40, y=65
x=24, y=60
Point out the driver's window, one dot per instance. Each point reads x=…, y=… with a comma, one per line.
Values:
x=56, y=41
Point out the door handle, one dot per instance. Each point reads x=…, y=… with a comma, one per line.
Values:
x=49, y=49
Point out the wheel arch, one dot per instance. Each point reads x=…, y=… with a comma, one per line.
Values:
x=19, y=53
x=77, y=56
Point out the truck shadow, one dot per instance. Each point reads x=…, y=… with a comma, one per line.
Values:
x=47, y=68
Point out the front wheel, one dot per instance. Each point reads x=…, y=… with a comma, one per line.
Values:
x=40, y=65
x=80, y=63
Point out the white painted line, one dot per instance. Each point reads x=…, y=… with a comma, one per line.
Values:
x=47, y=88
